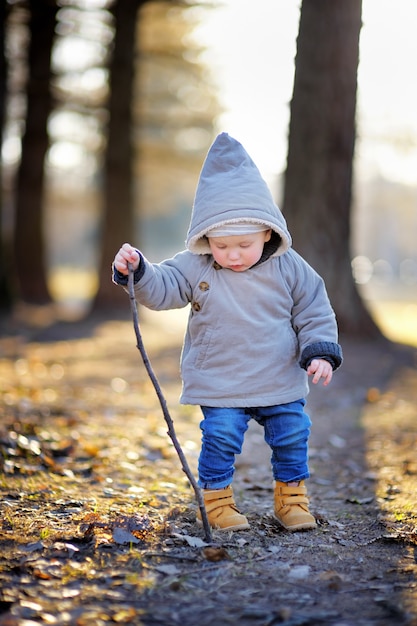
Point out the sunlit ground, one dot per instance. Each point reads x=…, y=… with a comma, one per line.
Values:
x=73, y=288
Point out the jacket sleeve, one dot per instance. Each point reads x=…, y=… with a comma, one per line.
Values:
x=313, y=318
x=161, y=286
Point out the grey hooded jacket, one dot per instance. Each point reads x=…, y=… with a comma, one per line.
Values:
x=250, y=335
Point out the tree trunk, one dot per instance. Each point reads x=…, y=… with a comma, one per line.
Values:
x=28, y=237
x=318, y=181
x=5, y=261
x=118, y=218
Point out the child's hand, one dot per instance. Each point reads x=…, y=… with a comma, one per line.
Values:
x=126, y=255
x=320, y=368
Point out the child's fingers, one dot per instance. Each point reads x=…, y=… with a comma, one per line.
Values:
x=126, y=254
x=320, y=369
x=120, y=264
x=127, y=249
x=327, y=377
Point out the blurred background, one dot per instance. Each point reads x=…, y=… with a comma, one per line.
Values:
x=109, y=107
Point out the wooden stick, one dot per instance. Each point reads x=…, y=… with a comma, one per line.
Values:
x=164, y=407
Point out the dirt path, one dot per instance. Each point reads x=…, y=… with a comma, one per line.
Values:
x=98, y=522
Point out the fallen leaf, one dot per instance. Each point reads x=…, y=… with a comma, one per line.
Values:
x=216, y=554
x=333, y=579
x=299, y=572
x=194, y=542
x=124, y=616
x=169, y=570
x=122, y=536
x=354, y=500
x=337, y=442
x=33, y=547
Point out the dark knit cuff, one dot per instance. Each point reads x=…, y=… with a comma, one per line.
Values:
x=121, y=279
x=326, y=350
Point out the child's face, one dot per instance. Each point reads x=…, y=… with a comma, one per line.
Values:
x=238, y=252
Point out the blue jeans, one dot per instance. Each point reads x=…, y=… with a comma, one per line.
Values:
x=286, y=431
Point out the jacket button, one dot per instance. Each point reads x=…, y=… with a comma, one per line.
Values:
x=203, y=286
x=196, y=306
x=217, y=266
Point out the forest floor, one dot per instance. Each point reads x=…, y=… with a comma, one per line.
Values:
x=98, y=520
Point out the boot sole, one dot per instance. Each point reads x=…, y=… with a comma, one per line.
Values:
x=236, y=527
x=294, y=527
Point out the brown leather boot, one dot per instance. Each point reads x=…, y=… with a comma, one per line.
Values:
x=291, y=507
x=221, y=509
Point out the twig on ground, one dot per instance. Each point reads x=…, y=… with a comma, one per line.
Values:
x=168, y=555
x=164, y=407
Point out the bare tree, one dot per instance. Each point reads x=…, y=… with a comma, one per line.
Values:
x=318, y=181
x=28, y=238
x=117, y=220
x=5, y=282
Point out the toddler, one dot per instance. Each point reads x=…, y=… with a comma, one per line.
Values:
x=260, y=323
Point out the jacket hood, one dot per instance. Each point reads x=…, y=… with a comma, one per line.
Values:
x=231, y=189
